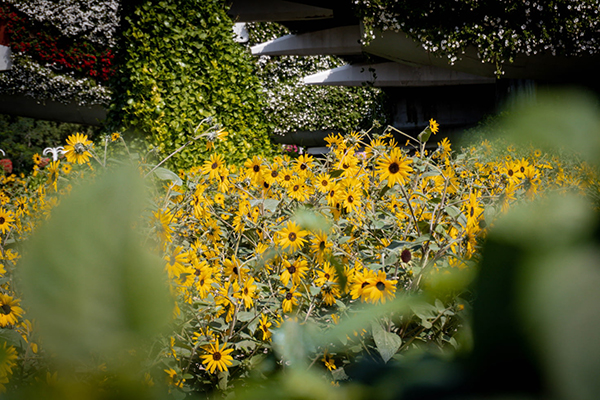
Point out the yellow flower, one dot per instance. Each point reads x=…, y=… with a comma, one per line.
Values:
x=264, y=325
x=10, y=310
x=246, y=293
x=378, y=288
x=290, y=300
x=434, y=126
x=328, y=361
x=295, y=271
x=298, y=190
x=115, y=136
x=76, y=149
x=6, y=220
x=303, y=164
x=163, y=219
x=352, y=199
x=291, y=236
x=213, y=166
x=217, y=357
x=394, y=167
x=21, y=206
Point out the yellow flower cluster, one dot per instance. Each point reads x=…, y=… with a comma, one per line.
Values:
x=309, y=239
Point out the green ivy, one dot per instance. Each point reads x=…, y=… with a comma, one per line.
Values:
x=180, y=66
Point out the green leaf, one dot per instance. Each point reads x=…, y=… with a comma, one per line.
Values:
x=86, y=278
x=168, y=175
x=387, y=343
x=245, y=316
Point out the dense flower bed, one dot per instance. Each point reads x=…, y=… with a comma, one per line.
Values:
x=45, y=45
x=251, y=250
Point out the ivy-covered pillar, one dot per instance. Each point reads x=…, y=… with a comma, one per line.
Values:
x=180, y=65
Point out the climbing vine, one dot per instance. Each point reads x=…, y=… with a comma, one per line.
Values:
x=181, y=66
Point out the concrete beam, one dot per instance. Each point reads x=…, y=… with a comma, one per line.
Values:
x=24, y=106
x=276, y=10
x=393, y=74
x=343, y=40
x=5, y=59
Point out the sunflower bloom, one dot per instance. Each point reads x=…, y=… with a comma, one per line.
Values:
x=292, y=236
x=379, y=288
x=264, y=324
x=6, y=220
x=217, y=357
x=295, y=271
x=10, y=310
x=76, y=149
x=434, y=126
x=395, y=168
x=213, y=166
x=290, y=300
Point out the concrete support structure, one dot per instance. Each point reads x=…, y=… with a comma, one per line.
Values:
x=393, y=74
x=5, y=59
x=343, y=40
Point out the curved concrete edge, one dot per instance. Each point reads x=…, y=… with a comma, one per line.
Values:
x=393, y=74
x=343, y=40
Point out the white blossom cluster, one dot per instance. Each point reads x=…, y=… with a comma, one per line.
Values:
x=566, y=27
x=34, y=80
x=96, y=20
x=293, y=106
x=305, y=108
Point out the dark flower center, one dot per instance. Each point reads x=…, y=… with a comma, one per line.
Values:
x=256, y=168
x=327, y=276
x=246, y=291
x=2, y=220
x=274, y=174
x=296, y=187
x=380, y=285
x=216, y=356
x=522, y=169
x=405, y=255
x=472, y=212
x=394, y=168
x=291, y=269
x=235, y=270
x=288, y=296
x=287, y=177
x=324, y=182
x=214, y=165
x=364, y=284
x=5, y=309
x=510, y=172
x=292, y=236
x=322, y=246
x=266, y=185
x=303, y=166
x=350, y=199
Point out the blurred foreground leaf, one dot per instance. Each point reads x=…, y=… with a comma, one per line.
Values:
x=88, y=281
